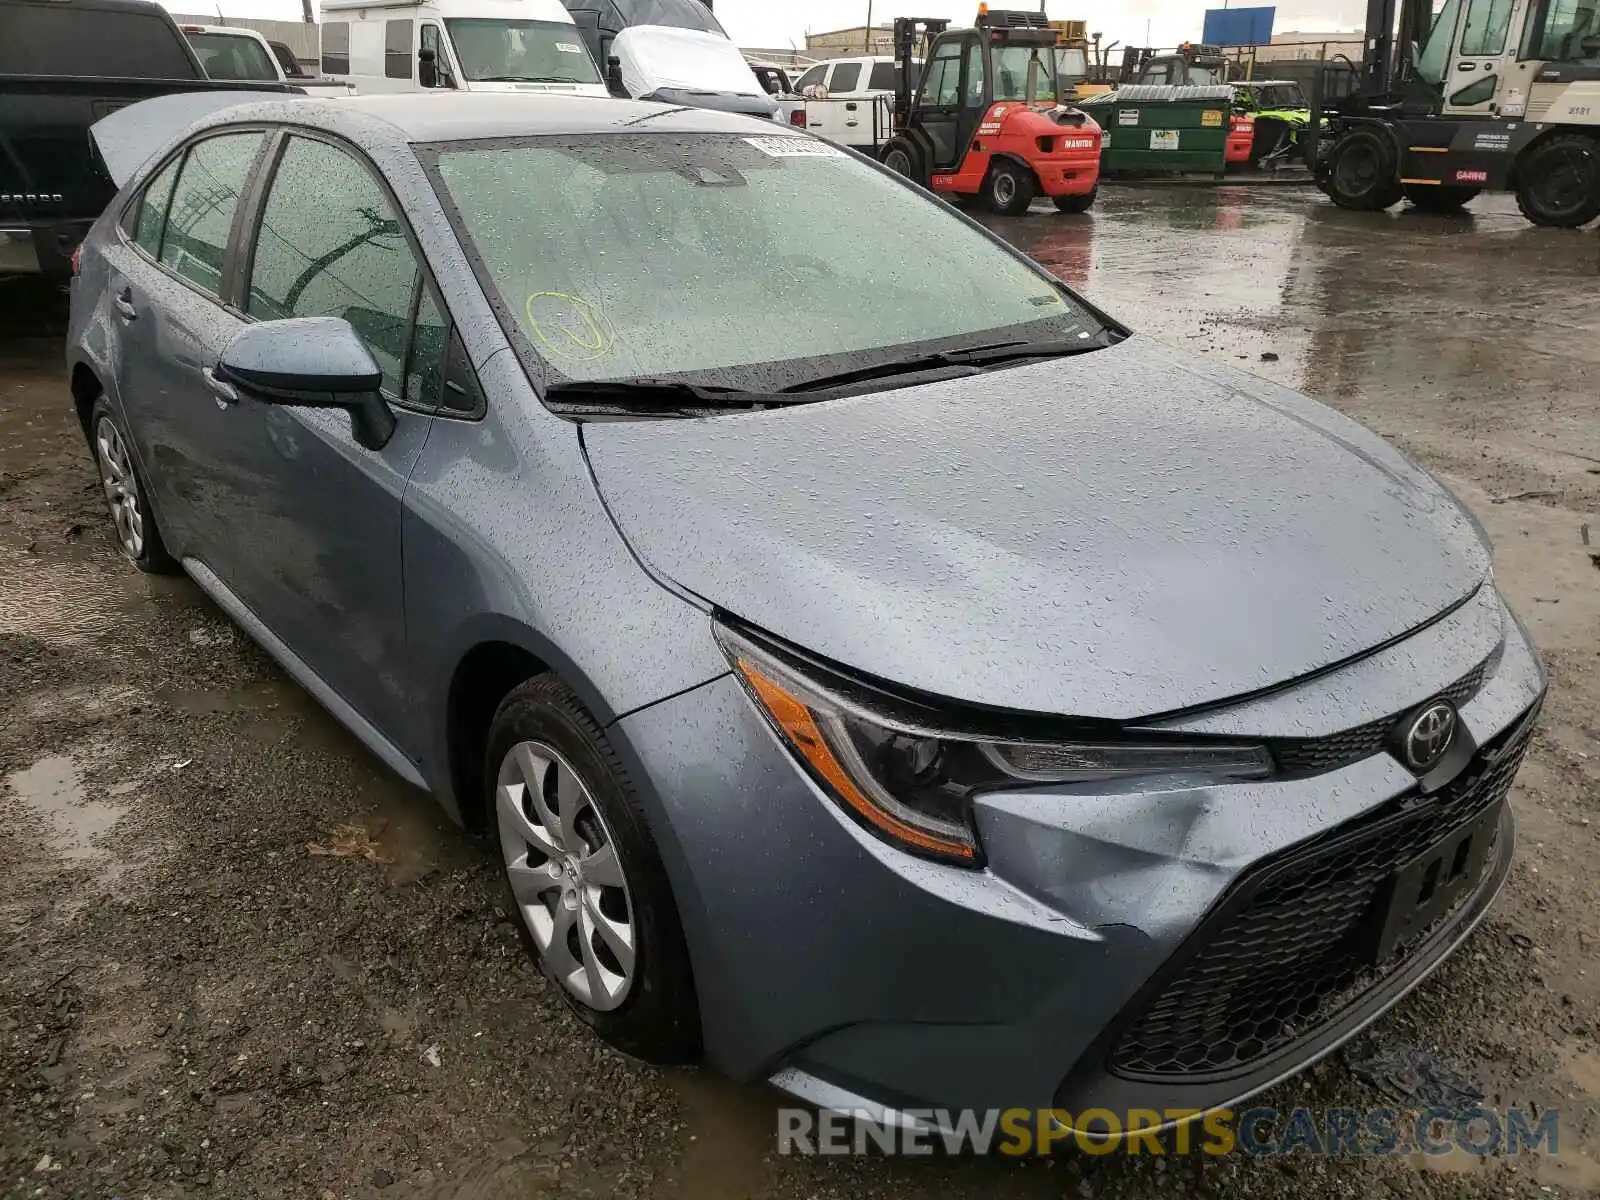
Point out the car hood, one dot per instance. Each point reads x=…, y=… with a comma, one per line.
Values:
x=1116, y=535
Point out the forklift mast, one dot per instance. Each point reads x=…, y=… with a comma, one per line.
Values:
x=1385, y=60
x=910, y=35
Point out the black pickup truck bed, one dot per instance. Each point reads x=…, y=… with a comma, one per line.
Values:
x=118, y=52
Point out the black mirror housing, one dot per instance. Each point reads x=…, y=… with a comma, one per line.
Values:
x=311, y=362
x=428, y=68
x=614, y=77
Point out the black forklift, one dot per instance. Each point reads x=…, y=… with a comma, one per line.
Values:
x=1487, y=96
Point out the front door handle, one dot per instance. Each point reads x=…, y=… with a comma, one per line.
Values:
x=124, y=305
x=226, y=394
x=1466, y=66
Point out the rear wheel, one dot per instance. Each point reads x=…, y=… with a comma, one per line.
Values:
x=1076, y=204
x=903, y=157
x=1360, y=171
x=127, y=498
x=1430, y=199
x=1558, y=182
x=1009, y=189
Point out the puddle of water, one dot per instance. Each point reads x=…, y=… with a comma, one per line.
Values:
x=54, y=789
x=729, y=1133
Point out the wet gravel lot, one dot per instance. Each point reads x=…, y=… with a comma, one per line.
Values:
x=238, y=959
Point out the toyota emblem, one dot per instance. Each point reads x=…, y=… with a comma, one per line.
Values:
x=1430, y=736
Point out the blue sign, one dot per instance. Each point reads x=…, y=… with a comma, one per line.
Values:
x=1238, y=26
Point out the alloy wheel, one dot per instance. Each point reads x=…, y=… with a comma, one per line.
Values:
x=121, y=487
x=564, y=871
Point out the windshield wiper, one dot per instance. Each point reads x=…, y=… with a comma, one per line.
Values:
x=977, y=357
x=525, y=79
x=655, y=395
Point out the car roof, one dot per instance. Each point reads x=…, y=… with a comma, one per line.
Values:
x=465, y=116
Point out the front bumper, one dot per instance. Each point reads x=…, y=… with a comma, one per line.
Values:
x=855, y=976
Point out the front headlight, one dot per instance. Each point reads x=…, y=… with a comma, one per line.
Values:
x=912, y=780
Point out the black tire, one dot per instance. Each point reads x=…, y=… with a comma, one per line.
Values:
x=904, y=157
x=1558, y=181
x=133, y=521
x=1077, y=204
x=1431, y=198
x=1360, y=171
x=1009, y=189
x=659, y=1020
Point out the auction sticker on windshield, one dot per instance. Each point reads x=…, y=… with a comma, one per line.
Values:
x=794, y=147
x=569, y=48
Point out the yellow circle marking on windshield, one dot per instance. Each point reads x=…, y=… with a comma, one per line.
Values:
x=569, y=326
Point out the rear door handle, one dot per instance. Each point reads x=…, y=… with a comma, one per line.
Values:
x=125, y=306
x=226, y=394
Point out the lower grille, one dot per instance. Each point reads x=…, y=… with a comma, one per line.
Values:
x=1290, y=949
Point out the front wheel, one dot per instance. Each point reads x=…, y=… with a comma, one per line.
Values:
x=1430, y=198
x=1360, y=171
x=1077, y=204
x=1009, y=189
x=904, y=158
x=591, y=898
x=1558, y=181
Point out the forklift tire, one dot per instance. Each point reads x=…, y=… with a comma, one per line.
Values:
x=1076, y=204
x=904, y=157
x=1429, y=198
x=1361, y=172
x=1558, y=181
x=1009, y=189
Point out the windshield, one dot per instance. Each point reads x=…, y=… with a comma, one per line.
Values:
x=229, y=56
x=496, y=51
x=1565, y=31
x=754, y=262
x=1201, y=75
x=1026, y=73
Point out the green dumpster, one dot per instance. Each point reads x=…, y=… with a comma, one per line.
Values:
x=1162, y=128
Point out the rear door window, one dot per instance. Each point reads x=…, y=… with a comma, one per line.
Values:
x=200, y=217
x=153, y=210
x=52, y=39
x=885, y=77
x=336, y=47
x=397, y=49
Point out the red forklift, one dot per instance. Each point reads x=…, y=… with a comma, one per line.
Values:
x=987, y=120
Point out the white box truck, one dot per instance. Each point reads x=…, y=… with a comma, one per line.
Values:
x=463, y=45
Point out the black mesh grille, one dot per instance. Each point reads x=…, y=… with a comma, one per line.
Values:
x=1292, y=957
x=1313, y=756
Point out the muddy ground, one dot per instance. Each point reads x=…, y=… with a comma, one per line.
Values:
x=238, y=959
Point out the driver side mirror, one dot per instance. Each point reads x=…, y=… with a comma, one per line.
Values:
x=311, y=362
x=428, y=67
x=614, y=77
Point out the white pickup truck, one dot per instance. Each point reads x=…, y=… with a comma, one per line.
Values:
x=848, y=100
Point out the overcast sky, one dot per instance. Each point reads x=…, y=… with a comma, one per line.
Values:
x=778, y=23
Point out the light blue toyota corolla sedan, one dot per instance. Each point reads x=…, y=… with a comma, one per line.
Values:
x=880, y=672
